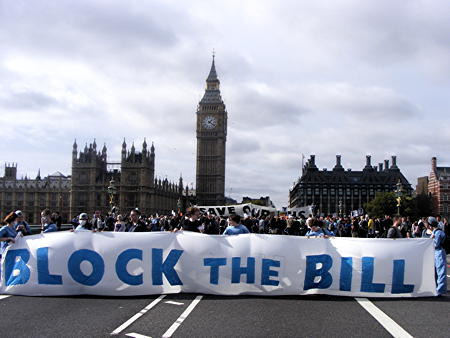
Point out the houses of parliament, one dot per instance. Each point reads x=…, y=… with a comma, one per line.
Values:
x=86, y=188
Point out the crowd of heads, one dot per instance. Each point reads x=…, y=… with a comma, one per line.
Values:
x=193, y=220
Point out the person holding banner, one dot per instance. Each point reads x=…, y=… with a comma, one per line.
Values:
x=22, y=225
x=235, y=227
x=440, y=258
x=192, y=221
x=315, y=228
x=8, y=231
x=47, y=224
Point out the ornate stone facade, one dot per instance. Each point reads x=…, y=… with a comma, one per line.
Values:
x=211, y=144
x=33, y=195
x=134, y=178
x=86, y=190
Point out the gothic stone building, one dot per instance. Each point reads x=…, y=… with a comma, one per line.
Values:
x=86, y=190
x=327, y=189
x=134, y=178
x=211, y=144
x=33, y=195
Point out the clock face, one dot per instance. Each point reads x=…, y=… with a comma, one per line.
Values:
x=209, y=122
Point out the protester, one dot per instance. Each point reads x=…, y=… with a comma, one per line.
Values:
x=394, y=231
x=98, y=223
x=135, y=224
x=120, y=225
x=8, y=231
x=440, y=260
x=58, y=219
x=191, y=222
x=84, y=224
x=235, y=227
x=47, y=223
x=22, y=225
x=315, y=228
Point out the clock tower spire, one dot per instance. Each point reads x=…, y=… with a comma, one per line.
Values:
x=211, y=143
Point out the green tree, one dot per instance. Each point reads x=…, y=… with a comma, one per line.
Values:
x=384, y=203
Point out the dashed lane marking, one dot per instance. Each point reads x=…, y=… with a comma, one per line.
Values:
x=173, y=303
x=183, y=316
x=4, y=296
x=136, y=335
x=392, y=327
x=137, y=315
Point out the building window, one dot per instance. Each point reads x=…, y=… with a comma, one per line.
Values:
x=332, y=192
x=340, y=192
x=349, y=192
x=324, y=191
x=317, y=191
x=309, y=191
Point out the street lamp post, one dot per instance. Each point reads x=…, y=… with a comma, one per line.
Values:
x=398, y=194
x=112, y=191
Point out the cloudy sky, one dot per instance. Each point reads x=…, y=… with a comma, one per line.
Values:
x=312, y=77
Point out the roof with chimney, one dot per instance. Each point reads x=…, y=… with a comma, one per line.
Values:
x=373, y=175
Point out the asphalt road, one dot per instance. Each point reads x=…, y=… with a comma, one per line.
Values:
x=189, y=315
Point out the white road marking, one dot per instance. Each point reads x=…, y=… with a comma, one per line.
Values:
x=173, y=303
x=136, y=335
x=183, y=316
x=392, y=327
x=137, y=315
x=4, y=296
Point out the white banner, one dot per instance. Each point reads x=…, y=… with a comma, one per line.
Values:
x=253, y=210
x=126, y=264
x=238, y=209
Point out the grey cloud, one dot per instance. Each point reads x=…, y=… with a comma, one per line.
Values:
x=253, y=109
x=365, y=103
x=28, y=100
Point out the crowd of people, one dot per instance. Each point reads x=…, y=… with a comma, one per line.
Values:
x=436, y=228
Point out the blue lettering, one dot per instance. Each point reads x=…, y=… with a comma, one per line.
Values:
x=17, y=260
x=121, y=267
x=214, y=263
x=98, y=267
x=44, y=276
x=398, y=278
x=345, y=281
x=237, y=270
x=167, y=267
x=367, y=284
x=312, y=272
x=266, y=272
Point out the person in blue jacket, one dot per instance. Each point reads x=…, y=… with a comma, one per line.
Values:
x=315, y=229
x=22, y=225
x=440, y=259
x=8, y=232
x=47, y=224
x=235, y=227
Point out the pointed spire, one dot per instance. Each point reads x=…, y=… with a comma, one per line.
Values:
x=144, y=145
x=94, y=145
x=133, y=149
x=85, y=148
x=152, y=149
x=38, y=177
x=104, y=149
x=212, y=77
x=75, y=145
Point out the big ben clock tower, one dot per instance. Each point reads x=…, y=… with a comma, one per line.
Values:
x=211, y=144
